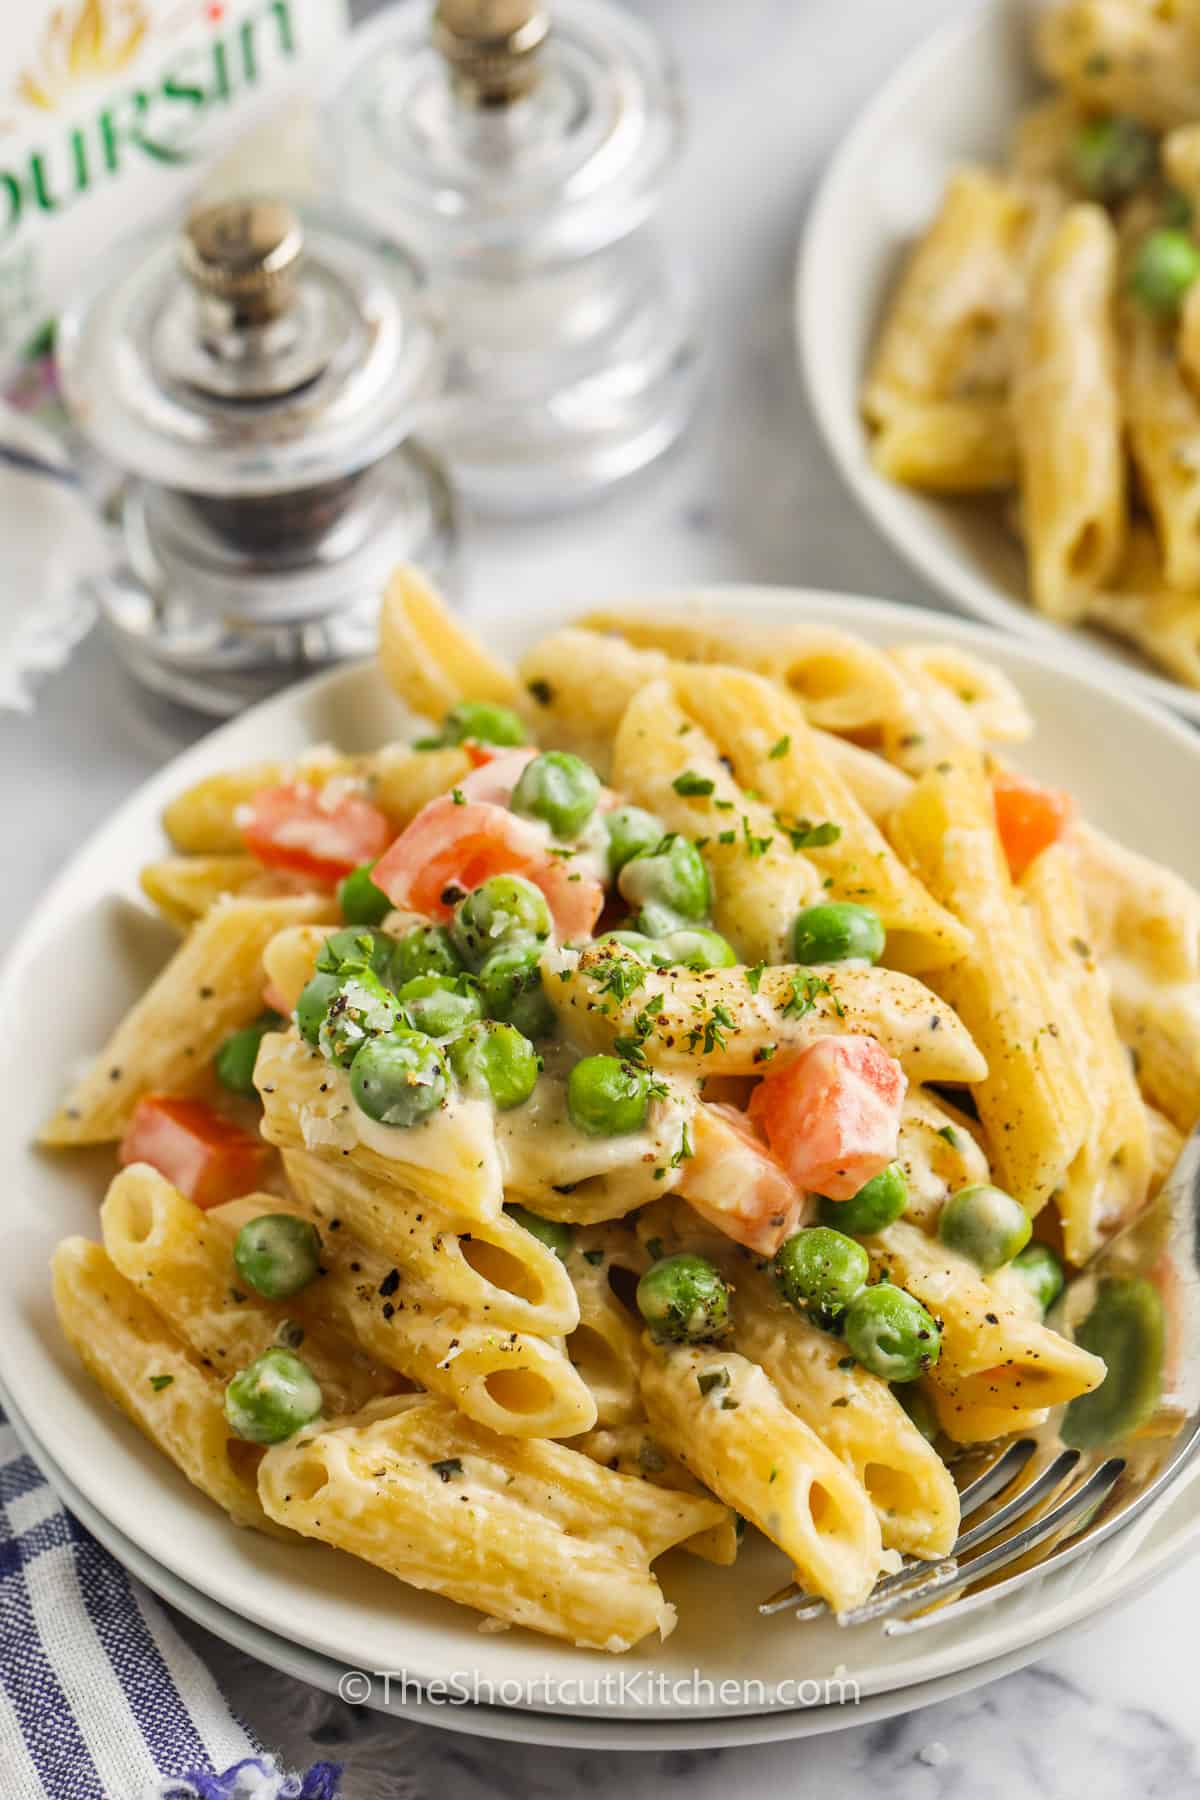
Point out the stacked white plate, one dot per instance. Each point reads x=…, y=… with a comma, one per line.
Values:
x=89, y=951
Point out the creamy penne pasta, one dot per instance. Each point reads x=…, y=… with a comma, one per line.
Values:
x=1042, y=342
x=531, y=1533
x=615, y=1120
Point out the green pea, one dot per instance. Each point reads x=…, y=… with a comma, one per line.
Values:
x=1110, y=158
x=1127, y=1329
x=362, y=903
x=919, y=1407
x=399, y=1079
x=1041, y=1271
x=484, y=721
x=876, y=1205
x=425, y=950
x=361, y=1008
x=510, y=987
x=632, y=831
x=356, y=946
x=669, y=884
x=684, y=1299
x=235, y=1060
x=1166, y=264
x=836, y=931
x=558, y=1237
x=313, y=1004
x=439, y=1005
x=607, y=1097
x=821, y=1270
x=986, y=1224
x=277, y=1254
x=495, y=1061
x=658, y=922
x=499, y=911
x=696, y=947
x=890, y=1333
x=272, y=1398
x=561, y=789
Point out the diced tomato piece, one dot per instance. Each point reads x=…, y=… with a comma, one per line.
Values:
x=1029, y=817
x=207, y=1157
x=453, y=845
x=495, y=778
x=313, y=831
x=833, y=1117
x=733, y=1181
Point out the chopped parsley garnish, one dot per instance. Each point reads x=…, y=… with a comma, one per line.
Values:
x=780, y=749
x=951, y=1136
x=711, y=1033
x=690, y=783
x=727, y=837
x=458, y=797
x=755, y=846
x=619, y=976
x=159, y=1382
x=806, y=990
x=723, y=805
x=713, y=1378
x=802, y=834
x=765, y=1052
x=754, y=975
x=449, y=1468
x=684, y=1150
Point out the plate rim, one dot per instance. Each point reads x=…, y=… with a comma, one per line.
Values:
x=839, y=427
x=888, y=618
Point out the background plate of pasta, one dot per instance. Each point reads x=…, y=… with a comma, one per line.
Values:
x=999, y=316
x=555, y=1133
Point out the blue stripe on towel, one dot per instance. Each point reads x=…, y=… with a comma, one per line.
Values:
x=47, y=1723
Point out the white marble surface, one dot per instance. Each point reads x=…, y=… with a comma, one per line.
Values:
x=750, y=497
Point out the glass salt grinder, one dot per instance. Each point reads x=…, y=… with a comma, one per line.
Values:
x=524, y=154
x=246, y=393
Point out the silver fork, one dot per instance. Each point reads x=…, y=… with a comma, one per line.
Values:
x=1051, y=1495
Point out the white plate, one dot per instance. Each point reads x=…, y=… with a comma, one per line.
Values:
x=88, y=951
x=953, y=101
x=510, y=1724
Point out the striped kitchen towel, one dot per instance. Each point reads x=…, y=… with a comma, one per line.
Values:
x=100, y=1698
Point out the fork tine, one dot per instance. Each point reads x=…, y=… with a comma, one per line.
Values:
x=1021, y=1503
x=998, y=1475
x=1079, y=1501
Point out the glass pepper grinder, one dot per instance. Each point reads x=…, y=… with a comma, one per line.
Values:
x=524, y=155
x=247, y=392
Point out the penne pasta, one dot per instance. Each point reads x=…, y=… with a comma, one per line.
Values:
x=999, y=1369
x=154, y=1379
x=181, y=1260
x=1108, y=1181
x=427, y=657
x=719, y=1020
x=493, y=1268
x=531, y=1533
x=510, y=1381
x=1033, y=1101
x=725, y=1421
x=166, y=1041
x=1067, y=413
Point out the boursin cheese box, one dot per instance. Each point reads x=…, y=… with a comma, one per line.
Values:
x=110, y=113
